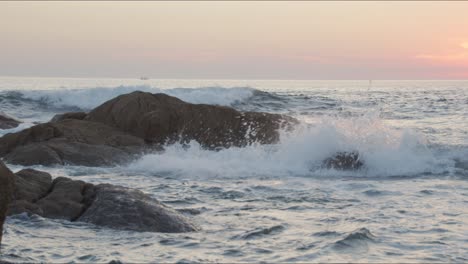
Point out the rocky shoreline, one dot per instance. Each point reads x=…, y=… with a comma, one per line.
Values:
x=116, y=132
x=35, y=192
x=129, y=125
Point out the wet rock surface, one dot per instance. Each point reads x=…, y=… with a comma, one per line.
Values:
x=344, y=161
x=120, y=129
x=7, y=122
x=123, y=208
x=69, y=115
x=70, y=141
x=104, y=205
x=6, y=192
x=161, y=119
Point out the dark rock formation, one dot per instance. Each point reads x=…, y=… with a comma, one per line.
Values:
x=162, y=119
x=133, y=123
x=70, y=141
x=64, y=200
x=103, y=205
x=7, y=122
x=344, y=161
x=70, y=115
x=123, y=208
x=31, y=185
x=6, y=192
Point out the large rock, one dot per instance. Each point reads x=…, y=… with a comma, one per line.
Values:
x=65, y=200
x=70, y=141
x=36, y=193
x=131, y=124
x=6, y=193
x=103, y=205
x=123, y=208
x=7, y=122
x=163, y=119
x=31, y=185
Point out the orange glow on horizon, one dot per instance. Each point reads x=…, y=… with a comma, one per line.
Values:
x=324, y=40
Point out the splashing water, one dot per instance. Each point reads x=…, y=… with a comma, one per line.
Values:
x=384, y=151
x=273, y=203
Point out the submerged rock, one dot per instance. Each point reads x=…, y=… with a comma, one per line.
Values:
x=103, y=205
x=123, y=208
x=344, y=161
x=162, y=119
x=70, y=141
x=6, y=192
x=7, y=122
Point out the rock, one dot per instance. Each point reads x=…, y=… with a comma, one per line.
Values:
x=31, y=185
x=103, y=205
x=36, y=193
x=6, y=193
x=130, y=124
x=70, y=141
x=163, y=119
x=123, y=208
x=344, y=161
x=64, y=201
x=7, y=122
x=70, y=115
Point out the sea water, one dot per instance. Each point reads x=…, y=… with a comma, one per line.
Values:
x=273, y=203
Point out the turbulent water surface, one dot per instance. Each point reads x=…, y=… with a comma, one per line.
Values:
x=275, y=202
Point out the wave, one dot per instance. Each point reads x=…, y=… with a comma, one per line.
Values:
x=86, y=99
x=359, y=237
x=385, y=151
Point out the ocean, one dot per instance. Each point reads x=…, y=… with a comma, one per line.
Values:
x=273, y=203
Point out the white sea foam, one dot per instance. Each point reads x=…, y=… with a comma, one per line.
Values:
x=385, y=152
x=92, y=97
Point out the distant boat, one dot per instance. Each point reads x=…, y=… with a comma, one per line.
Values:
x=144, y=78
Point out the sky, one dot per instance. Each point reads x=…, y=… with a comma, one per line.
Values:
x=235, y=40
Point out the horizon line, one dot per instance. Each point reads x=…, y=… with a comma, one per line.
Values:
x=227, y=79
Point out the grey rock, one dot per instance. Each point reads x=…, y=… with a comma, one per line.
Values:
x=103, y=205
x=7, y=122
x=344, y=161
x=163, y=119
x=6, y=193
x=64, y=201
x=31, y=185
x=123, y=208
x=69, y=115
x=70, y=141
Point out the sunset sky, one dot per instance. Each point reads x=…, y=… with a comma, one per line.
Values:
x=236, y=40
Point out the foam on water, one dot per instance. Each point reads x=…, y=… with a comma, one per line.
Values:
x=89, y=98
x=385, y=152
x=274, y=203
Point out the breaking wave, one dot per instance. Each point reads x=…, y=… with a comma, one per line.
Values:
x=384, y=151
x=86, y=99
